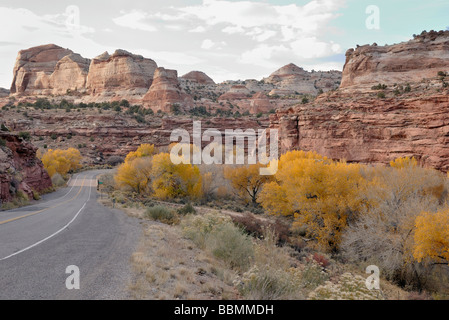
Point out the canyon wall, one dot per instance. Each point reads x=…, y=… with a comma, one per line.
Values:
x=407, y=62
x=19, y=168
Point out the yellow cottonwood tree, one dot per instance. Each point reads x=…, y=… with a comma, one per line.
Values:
x=135, y=174
x=432, y=237
x=321, y=195
x=175, y=181
x=247, y=181
x=61, y=161
x=405, y=162
x=144, y=150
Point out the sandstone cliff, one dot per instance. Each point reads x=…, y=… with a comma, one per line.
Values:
x=166, y=92
x=198, y=77
x=70, y=74
x=370, y=130
x=292, y=79
x=422, y=57
x=19, y=168
x=121, y=74
x=34, y=67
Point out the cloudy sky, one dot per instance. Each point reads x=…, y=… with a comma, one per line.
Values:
x=227, y=39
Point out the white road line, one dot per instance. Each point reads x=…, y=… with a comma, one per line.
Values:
x=54, y=234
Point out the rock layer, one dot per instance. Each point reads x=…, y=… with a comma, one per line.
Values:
x=422, y=57
x=370, y=130
x=20, y=169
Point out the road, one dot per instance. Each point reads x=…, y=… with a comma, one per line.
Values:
x=66, y=228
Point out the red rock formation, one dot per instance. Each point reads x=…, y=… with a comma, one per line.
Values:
x=198, y=77
x=237, y=92
x=370, y=130
x=70, y=74
x=422, y=57
x=166, y=92
x=292, y=79
x=34, y=67
x=20, y=169
x=121, y=73
x=260, y=103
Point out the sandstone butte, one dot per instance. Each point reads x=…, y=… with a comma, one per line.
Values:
x=165, y=92
x=354, y=124
x=20, y=169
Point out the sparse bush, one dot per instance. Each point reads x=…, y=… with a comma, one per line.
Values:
x=230, y=244
x=162, y=214
x=197, y=228
x=270, y=284
x=381, y=95
x=2, y=143
x=36, y=195
x=25, y=135
x=348, y=287
x=379, y=87
x=58, y=181
x=4, y=128
x=313, y=274
x=187, y=209
x=441, y=73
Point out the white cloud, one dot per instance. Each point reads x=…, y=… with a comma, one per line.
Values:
x=209, y=44
x=199, y=29
x=263, y=55
x=233, y=30
x=135, y=20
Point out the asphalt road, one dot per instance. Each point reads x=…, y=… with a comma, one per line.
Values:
x=66, y=228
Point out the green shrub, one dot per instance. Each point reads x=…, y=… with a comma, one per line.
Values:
x=197, y=228
x=36, y=195
x=408, y=88
x=187, y=209
x=441, y=73
x=379, y=87
x=313, y=274
x=162, y=214
x=54, y=136
x=230, y=244
x=2, y=143
x=25, y=135
x=58, y=180
x=381, y=95
x=4, y=128
x=265, y=283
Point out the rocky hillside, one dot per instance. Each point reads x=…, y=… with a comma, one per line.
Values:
x=19, y=168
x=407, y=115
x=420, y=58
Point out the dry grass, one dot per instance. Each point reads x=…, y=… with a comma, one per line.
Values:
x=168, y=266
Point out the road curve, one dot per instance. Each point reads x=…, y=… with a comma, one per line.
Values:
x=66, y=228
